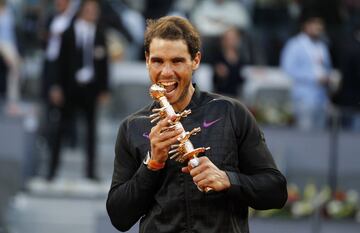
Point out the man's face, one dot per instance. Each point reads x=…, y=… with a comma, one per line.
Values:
x=169, y=63
x=314, y=28
x=90, y=11
x=61, y=5
x=231, y=39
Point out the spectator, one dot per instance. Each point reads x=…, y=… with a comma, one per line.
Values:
x=82, y=80
x=306, y=60
x=10, y=58
x=213, y=17
x=332, y=12
x=228, y=63
x=57, y=23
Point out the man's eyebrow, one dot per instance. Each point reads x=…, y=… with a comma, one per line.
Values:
x=156, y=59
x=174, y=59
x=178, y=59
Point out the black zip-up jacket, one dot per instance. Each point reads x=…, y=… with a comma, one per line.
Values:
x=168, y=200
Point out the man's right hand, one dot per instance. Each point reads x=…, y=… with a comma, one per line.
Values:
x=161, y=138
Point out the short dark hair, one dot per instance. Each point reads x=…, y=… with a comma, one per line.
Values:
x=84, y=2
x=309, y=14
x=173, y=28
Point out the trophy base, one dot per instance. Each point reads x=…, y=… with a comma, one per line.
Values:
x=191, y=154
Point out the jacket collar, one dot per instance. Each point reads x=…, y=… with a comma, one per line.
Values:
x=195, y=99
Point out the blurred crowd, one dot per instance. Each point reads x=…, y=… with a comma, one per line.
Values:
x=77, y=40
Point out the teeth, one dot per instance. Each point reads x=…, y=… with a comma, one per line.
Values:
x=167, y=83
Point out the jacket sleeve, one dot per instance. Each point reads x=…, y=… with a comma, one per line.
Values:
x=60, y=77
x=133, y=185
x=259, y=183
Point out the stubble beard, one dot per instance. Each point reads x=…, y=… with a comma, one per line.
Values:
x=183, y=95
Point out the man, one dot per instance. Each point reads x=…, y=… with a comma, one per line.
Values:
x=163, y=193
x=82, y=81
x=228, y=63
x=306, y=60
x=56, y=24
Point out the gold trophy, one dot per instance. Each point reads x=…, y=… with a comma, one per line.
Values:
x=184, y=150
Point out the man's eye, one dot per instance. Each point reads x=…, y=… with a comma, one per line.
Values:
x=177, y=61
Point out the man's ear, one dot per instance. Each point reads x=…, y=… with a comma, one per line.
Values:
x=196, y=61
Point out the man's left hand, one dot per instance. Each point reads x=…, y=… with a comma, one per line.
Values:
x=207, y=175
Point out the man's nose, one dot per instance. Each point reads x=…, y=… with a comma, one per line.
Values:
x=167, y=70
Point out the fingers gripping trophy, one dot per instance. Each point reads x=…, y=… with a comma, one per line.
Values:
x=183, y=151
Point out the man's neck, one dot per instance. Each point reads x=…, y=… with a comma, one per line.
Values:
x=185, y=99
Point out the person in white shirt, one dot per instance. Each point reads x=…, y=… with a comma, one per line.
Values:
x=305, y=58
